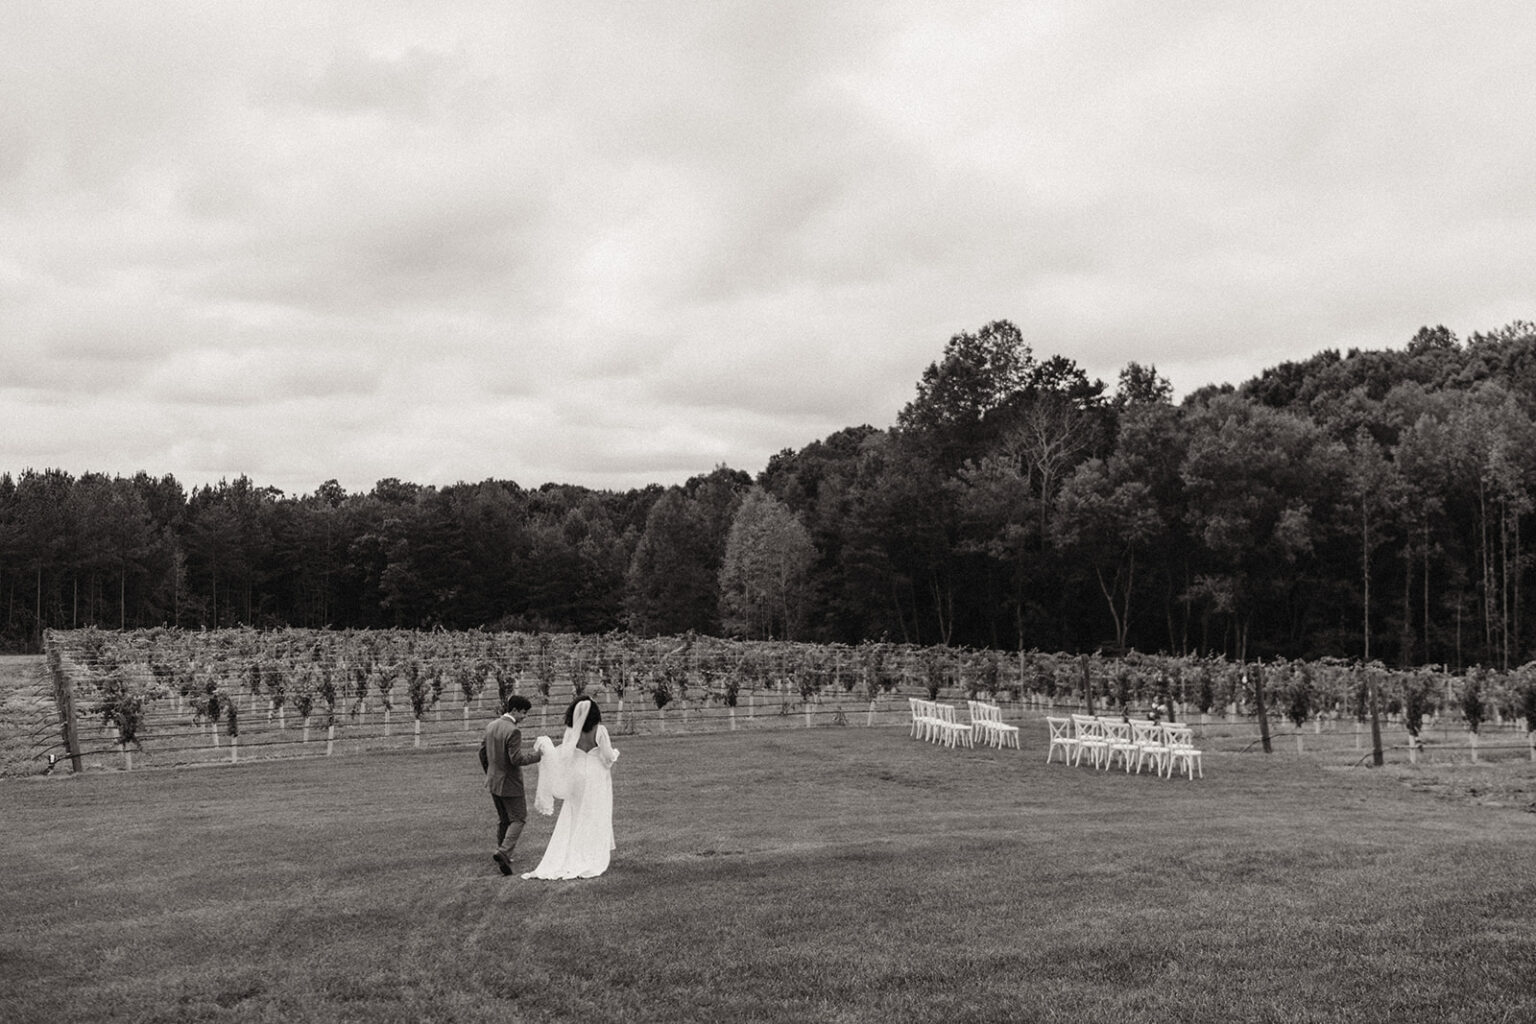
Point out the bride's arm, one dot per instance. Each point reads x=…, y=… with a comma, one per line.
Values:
x=605, y=748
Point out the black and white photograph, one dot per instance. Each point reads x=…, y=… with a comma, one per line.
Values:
x=740, y=512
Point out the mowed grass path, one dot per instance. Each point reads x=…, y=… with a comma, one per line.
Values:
x=816, y=875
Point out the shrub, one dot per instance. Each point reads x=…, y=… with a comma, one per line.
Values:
x=1299, y=708
x=933, y=678
x=1473, y=707
x=1418, y=694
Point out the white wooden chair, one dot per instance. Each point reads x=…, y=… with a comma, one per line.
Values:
x=951, y=731
x=979, y=724
x=1091, y=739
x=923, y=721
x=935, y=720
x=1118, y=732
x=1062, y=738
x=1182, y=752
x=1150, y=745
x=1007, y=733
x=987, y=725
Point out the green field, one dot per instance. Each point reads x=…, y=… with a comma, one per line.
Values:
x=829, y=874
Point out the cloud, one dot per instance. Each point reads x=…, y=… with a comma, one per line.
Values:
x=269, y=375
x=619, y=244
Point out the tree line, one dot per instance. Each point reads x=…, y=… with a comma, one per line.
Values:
x=1370, y=504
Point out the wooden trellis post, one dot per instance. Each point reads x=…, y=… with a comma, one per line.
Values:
x=1087, y=684
x=64, y=699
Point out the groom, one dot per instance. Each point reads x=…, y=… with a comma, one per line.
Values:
x=502, y=758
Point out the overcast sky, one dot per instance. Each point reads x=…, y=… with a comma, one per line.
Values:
x=619, y=243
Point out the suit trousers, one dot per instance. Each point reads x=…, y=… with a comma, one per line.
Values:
x=510, y=808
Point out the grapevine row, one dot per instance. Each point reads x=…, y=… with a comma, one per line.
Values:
x=146, y=685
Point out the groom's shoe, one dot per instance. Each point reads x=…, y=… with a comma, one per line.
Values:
x=502, y=862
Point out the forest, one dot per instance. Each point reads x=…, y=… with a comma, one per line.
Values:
x=1370, y=504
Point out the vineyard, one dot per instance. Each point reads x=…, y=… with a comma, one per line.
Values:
x=167, y=696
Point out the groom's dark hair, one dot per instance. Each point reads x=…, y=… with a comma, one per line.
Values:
x=517, y=702
x=594, y=716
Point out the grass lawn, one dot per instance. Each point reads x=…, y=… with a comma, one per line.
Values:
x=28, y=720
x=804, y=875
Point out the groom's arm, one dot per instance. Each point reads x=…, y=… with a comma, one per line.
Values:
x=515, y=753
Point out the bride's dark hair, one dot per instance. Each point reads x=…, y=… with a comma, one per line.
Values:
x=594, y=716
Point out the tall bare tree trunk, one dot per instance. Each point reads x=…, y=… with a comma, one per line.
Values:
x=901, y=615
x=1427, y=653
x=944, y=609
x=1365, y=576
x=1459, y=603
x=1405, y=655
x=1173, y=641
x=1376, y=758
x=1504, y=587
x=1487, y=559
x=1519, y=579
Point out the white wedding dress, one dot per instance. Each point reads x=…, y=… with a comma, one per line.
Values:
x=582, y=841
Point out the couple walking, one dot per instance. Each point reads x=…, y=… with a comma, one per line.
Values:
x=578, y=772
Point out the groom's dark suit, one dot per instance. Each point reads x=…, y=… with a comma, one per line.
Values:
x=502, y=758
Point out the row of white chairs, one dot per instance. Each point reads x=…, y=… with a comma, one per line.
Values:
x=988, y=726
x=940, y=723
x=1167, y=748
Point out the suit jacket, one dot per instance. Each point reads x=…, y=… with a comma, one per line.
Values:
x=502, y=757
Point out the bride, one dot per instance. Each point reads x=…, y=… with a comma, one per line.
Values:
x=580, y=772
